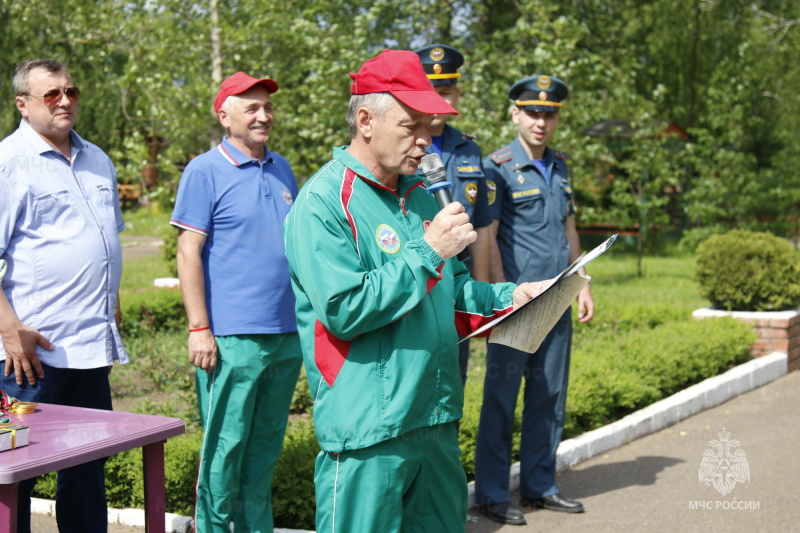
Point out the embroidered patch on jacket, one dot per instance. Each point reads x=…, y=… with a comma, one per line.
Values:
x=287, y=197
x=491, y=191
x=469, y=169
x=387, y=239
x=523, y=194
x=501, y=156
x=471, y=192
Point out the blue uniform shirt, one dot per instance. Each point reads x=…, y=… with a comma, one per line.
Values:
x=240, y=204
x=462, y=161
x=532, y=214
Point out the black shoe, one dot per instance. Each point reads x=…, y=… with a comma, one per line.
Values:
x=504, y=512
x=554, y=502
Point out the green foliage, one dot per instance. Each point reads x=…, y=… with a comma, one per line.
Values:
x=138, y=274
x=692, y=238
x=180, y=475
x=169, y=251
x=728, y=77
x=124, y=480
x=293, y=501
x=45, y=486
x=625, y=374
x=301, y=398
x=151, y=311
x=749, y=271
x=149, y=221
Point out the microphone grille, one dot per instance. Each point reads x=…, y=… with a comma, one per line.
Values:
x=432, y=165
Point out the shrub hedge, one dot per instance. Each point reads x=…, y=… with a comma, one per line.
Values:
x=151, y=311
x=747, y=271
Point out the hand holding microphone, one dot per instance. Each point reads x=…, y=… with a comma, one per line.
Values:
x=452, y=222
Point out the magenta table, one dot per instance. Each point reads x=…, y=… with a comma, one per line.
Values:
x=67, y=436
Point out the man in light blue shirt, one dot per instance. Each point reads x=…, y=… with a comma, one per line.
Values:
x=59, y=225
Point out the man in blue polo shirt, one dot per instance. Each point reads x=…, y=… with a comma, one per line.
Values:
x=234, y=278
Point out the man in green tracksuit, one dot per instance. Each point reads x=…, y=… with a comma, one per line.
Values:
x=381, y=301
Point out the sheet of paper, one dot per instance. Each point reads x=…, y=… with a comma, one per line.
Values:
x=527, y=329
x=532, y=321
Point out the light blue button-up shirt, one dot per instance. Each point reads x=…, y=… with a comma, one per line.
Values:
x=59, y=225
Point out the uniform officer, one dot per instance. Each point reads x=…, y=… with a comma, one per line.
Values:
x=535, y=231
x=462, y=160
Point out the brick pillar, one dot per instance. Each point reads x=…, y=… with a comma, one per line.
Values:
x=778, y=331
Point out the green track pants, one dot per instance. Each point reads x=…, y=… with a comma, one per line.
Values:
x=244, y=406
x=413, y=483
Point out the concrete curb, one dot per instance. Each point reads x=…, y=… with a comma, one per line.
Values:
x=655, y=417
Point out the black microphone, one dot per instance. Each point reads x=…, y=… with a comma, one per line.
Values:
x=433, y=169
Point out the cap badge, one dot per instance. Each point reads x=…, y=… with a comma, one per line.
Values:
x=543, y=83
x=543, y=96
x=437, y=54
x=437, y=68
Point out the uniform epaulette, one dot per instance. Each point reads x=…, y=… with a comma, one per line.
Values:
x=560, y=155
x=501, y=156
x=471, y=137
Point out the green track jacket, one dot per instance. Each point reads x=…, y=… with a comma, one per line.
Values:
x=378, y=311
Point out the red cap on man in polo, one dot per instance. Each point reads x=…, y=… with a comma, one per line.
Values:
x=239, y=83
x=400, y=73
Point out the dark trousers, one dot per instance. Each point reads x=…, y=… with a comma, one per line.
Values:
x=80, y=494
x=546, y=374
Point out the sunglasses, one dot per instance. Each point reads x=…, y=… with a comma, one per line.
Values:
x=52, y=97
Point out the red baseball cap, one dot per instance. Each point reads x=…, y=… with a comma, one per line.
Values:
x=239, y=83
x=400, y=73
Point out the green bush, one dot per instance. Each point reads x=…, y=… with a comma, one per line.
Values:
x=293, y=501
x=151, y=311
x=622, y=375
x=748, y=271
x=694, y=237
x=169, y=251
x=631, y=365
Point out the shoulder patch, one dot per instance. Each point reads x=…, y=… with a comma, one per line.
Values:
x=501, y=156
x=560, y=155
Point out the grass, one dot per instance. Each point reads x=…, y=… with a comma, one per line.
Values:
x=148, y=221
x=159, y=379
x=138, y=274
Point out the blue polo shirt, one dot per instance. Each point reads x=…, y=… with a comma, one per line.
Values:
x=240, y=204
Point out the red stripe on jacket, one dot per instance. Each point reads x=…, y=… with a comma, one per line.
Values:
x=330, y=353
x=346, y=195
x=466, y=323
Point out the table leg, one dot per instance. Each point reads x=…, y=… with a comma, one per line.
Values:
x=154, y=490
x=8, y=507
